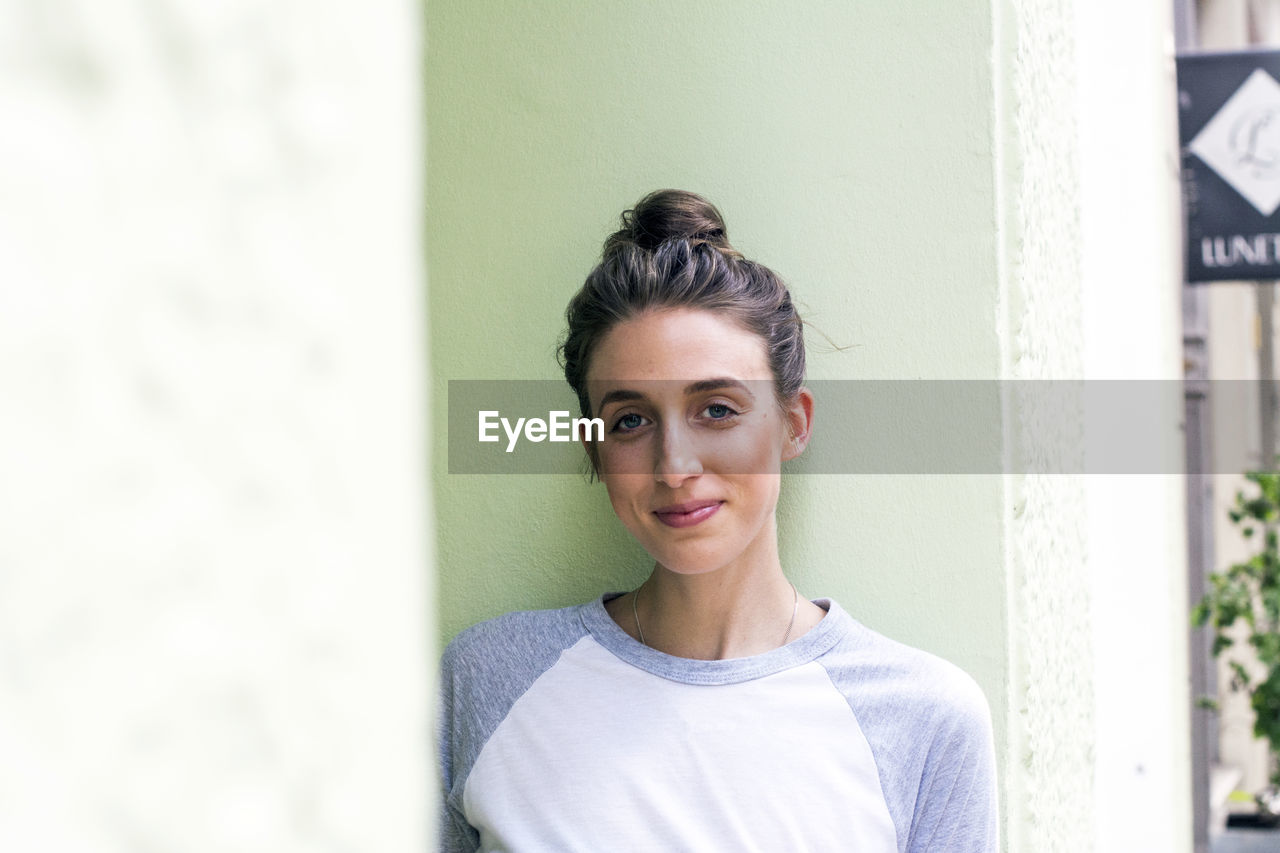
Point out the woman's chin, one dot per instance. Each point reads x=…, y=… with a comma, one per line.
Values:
x=698, y=563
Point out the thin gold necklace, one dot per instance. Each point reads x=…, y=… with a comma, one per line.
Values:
x=795, y=608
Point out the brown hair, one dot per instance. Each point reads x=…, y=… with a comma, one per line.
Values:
x=673, y=251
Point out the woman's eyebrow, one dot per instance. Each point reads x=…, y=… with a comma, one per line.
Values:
x=702, y=385
x=618, y=394
x=716, y=385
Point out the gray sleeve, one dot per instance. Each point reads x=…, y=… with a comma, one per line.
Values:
x=956, y=809
x=482, y=673
x=455, y=834
x=929, y=728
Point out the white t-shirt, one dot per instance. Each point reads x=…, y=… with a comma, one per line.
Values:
x=562, y=733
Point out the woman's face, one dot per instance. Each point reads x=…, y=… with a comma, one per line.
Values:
x=693, y=437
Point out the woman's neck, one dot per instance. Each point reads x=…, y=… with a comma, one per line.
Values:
x=715, y=615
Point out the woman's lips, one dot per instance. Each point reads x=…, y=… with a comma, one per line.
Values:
x=687, y=514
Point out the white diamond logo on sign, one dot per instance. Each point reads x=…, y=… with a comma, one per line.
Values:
x=1242, y=142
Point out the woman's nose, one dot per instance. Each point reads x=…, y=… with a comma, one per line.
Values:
x=678, y=458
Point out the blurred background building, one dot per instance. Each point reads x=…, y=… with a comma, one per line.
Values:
x=1225, y=329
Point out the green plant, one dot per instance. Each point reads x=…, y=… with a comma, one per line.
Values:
x=1250, y=592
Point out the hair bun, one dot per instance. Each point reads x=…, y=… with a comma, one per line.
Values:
x=666, y=215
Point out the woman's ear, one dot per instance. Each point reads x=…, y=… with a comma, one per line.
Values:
x=799, y=418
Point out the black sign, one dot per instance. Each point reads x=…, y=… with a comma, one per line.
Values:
x=1229, y=127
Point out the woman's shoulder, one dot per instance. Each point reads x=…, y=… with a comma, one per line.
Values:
x=928, y=724
x=485, y=669
x=890, y=680
x=515, y=636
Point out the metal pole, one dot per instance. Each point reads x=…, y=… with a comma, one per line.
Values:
x=1266, y=293
x=1184, y=24
x=1204, y=729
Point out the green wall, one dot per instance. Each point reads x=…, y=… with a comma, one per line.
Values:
x=849, y=146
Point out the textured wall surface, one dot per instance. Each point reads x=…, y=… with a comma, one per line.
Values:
x=1048, y=786
x=214, y=618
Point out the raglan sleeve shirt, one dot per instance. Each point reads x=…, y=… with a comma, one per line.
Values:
x=559, y=732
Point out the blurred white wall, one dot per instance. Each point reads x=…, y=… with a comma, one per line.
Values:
x=215, y=598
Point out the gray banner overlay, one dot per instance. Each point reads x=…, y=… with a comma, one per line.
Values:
x=906, y=427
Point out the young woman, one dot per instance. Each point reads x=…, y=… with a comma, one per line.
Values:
x=712, y=708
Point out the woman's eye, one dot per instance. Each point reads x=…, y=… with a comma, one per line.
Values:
x=719, y=411
x=628, y=422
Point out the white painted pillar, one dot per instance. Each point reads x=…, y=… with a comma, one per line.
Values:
x=1086, y=173
x=1137, y=551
